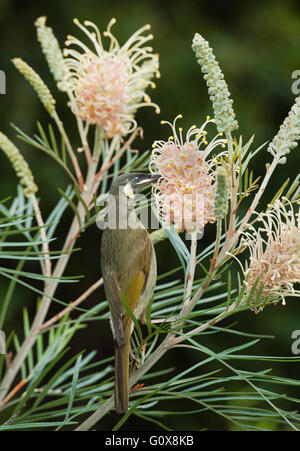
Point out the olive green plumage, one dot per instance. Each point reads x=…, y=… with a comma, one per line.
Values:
x=129, y=268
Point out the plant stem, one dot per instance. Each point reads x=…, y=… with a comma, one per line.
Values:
x=191, y=302
x=72, y=305
x=83, y=135
x=108, y=163
x=109, y=404
x=234, y=188
x=232, y=240
x=218, y=242
x=169, y=342
x=208, y=324
x=192, y=265
x=43, y=233
x=230, y=145
x=70, y=241
x=73, y=157
x=15, y=390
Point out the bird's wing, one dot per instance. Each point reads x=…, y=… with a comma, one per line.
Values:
x=135, y=275
x=134, y=280
x=131, y=282
x=117, y=310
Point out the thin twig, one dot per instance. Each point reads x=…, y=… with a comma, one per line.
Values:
x=83, y=136
x=228, y=245
x=233, y=201
x=72, y=305
x=192, y=265
x=108, y=165
x=83, y=131
x=218, y=242
x=73, y=157
x=48, y=267
x=13, y=392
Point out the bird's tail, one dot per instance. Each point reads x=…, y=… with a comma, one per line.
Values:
x=121, y=374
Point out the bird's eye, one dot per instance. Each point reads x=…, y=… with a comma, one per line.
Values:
x=137, y=179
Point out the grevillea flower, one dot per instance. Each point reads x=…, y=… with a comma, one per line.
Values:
x=185, y=193
x=108, y=86
x=274, y=254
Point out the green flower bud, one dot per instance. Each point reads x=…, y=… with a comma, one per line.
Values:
x=221, y=193
x=37, y=83
x=19, y=164
x=52, y=51
x=217, y=87
x=288, y=134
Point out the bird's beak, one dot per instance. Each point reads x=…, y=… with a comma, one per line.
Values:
x=145, y=180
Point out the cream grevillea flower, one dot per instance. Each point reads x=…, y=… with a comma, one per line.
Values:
x=275, y=254
x=184, y=194
x=108, y=86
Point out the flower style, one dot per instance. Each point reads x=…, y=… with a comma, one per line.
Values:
x=275, y=254
x=108, y=86
x=184, y=194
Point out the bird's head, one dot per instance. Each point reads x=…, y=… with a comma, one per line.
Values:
x=132, y=183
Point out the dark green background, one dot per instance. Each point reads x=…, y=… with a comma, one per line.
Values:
x=258, y=47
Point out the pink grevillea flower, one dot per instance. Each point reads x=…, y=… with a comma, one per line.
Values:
x=108, y=86
x=185, y=193
x=274, y=254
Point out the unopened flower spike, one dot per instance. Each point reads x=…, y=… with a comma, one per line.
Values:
x=274, y=253
x=52, y=51
x=217, y=87
x=184, y=194
x=108, y=86
x=19, y=164
x=221, y=193
x=288, y=134
x=37, y=83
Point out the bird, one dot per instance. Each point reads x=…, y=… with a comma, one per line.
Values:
x=129, y=269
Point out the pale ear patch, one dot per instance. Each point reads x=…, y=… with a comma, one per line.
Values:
x=129, y=191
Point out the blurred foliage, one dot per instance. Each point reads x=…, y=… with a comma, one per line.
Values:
x=258, y=47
